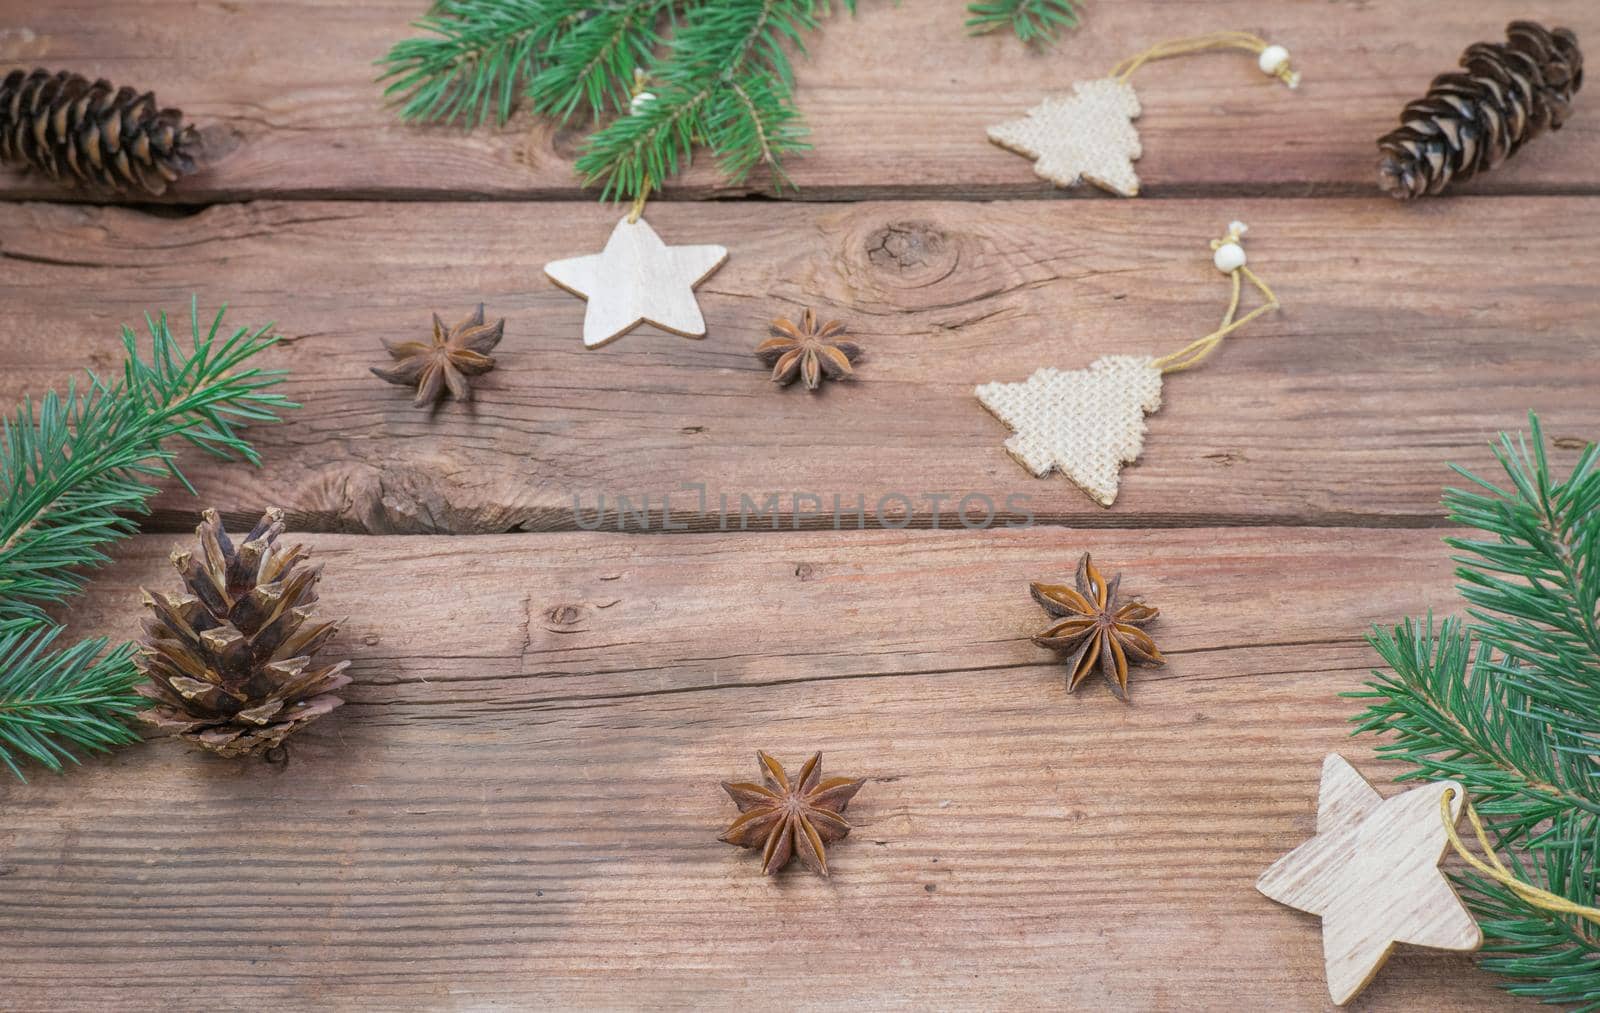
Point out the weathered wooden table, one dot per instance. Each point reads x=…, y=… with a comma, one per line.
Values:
x=518, y=805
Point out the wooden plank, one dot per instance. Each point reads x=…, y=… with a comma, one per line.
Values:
x=898, y=98
x=518, y=804
x=1409, y=337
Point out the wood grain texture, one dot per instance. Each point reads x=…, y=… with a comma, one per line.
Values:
x=518, y=805
x=898, y=98
x=1398, y=349
x=519, y=802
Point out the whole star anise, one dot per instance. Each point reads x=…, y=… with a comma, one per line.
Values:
x=784, y=818
x=1097, y=625
x=445, y=363
x=808, y=351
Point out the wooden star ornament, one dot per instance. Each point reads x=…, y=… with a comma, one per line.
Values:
x=638, y=279
x=1372, y=874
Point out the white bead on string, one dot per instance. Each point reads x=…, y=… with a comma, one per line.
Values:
x=1229, y=255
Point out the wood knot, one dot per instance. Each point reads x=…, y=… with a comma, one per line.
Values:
x=564, y=615
x=805, y=571
x=918, y=249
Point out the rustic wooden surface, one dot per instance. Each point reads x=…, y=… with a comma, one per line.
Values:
x=518, y=805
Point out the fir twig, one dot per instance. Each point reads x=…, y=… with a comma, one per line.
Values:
x=73, y=471
x=473, y=62
x=720, y=73
x=1509, y=705
x=74, y=468
x=80, y=696
x=1032, y=20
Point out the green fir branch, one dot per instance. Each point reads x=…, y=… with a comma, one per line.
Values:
x=726, y=83
x=1509, y=705
x=593, y=64
x=1031, y=20
x=719, y=75
x=74, y=470
x=474, y=61
x=50, y=701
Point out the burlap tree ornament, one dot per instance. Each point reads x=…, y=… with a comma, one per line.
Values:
x=1088, y=423
x=77, y=131
x=1469, y=122
x=230, y=658
x=1089, y=135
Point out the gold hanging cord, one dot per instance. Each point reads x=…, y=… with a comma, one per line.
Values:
x=639, y=97
x=1206, y=43
x=1196, y=351
x=1496, y=870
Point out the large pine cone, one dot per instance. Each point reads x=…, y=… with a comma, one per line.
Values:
x=230, y=661
x=71, y=129
x=1471, y=122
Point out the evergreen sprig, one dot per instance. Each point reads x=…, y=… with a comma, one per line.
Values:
x=1031, y=20
x=1508, y=704
x=719, y=74
x=74, y=471
x=81, y=695
x=726, y=82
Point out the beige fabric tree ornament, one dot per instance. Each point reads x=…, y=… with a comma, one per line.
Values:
x=1090, y=134
x=1088, y=423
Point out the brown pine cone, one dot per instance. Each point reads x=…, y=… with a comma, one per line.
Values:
x=229, y=658
x=74, y=130
x=1471, y=122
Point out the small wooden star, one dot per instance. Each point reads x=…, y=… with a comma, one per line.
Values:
x=638, y=279
x=1372, y=874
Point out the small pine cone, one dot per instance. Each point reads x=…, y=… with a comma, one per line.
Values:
x=1471, y=122
x=73, y=130
x=229, y=662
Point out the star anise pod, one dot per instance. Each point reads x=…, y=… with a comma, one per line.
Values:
x=786, y=817
x=445, y=363
x=808, y=351
x=1097, y=625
